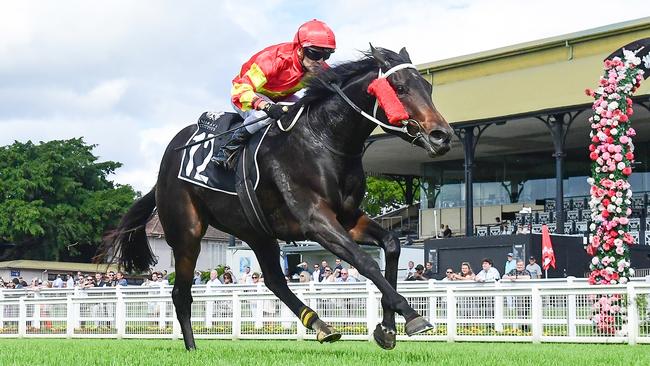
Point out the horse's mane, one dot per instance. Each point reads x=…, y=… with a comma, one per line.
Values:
x=318, y=87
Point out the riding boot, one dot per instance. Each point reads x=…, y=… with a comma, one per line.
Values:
x=228, y=151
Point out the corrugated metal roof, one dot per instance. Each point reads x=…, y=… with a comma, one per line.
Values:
x=154, y=228
x=57, y=266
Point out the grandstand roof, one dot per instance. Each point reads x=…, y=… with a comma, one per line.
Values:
x=514, y=84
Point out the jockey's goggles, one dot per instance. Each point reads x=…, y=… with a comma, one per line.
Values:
x=317, y=54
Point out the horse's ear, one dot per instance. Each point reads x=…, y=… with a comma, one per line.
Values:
x=404, y=54
x=381, y=60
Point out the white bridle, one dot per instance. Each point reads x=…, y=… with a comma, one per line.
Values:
x=372, y=118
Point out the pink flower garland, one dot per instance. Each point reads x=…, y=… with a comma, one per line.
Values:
x=612, y=154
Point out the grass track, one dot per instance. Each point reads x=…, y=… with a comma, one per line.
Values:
x=71, y=352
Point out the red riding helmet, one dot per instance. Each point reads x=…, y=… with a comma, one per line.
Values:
x=315, y=33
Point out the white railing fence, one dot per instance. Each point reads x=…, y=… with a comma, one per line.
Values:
x=531, y=311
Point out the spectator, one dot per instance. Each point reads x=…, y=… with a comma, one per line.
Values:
x=255, y=278
x=447, y=232
x=418, y=275
x=304, y=276
x=214, y=278
x=410, y=270
x=511, y=263
x=503, y=229
x=164, y=275
x=99, y=280
x=428, y=273
x=197, y=278
x=315, y=276
x=518, y=273
x=449, y=275
x=58, y=282
x=120, y=280
x=303, y=266
x=246, y=276
x=111, y=282
x=534, y=268
x=70, y=281
x=232, y=275
x=323, y=265
x=488, y=273
x=227, y=278
x=466, y=273
x=88, y=282
x=345, y=277
x=354, y=273
x=337, y=264
x=328, y=275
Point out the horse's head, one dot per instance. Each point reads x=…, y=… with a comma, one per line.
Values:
x=425, y=126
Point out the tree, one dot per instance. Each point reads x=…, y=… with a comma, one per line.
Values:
x=56, y=200
x=383, y=194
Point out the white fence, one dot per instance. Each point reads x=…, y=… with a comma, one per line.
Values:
x=531, y=311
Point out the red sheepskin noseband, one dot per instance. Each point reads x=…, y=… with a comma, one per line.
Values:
x=383, y=91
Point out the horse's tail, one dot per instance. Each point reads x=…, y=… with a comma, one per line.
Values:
x=127, y=244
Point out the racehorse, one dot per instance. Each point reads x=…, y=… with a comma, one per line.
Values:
x=312, y=184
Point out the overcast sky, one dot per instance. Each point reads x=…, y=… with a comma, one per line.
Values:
x=127, y=75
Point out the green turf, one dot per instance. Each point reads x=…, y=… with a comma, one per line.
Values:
x=97, y=352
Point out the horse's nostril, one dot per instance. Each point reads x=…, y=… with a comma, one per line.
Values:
x=441, y=135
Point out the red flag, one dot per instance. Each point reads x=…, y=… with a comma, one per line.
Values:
x=548, y=256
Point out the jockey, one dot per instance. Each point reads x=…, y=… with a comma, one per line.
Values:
x=272, y=75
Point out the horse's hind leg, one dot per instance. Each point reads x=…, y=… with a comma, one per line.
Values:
x=267, y=252
x=367, y=231
x=183, y=231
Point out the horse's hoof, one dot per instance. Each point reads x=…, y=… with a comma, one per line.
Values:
x=384, y=337
x=417, y=326
x=328, y=335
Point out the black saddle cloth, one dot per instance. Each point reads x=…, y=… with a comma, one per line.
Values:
x=196, y=166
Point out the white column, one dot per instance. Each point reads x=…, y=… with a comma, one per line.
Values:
x=451, y=314
x=2, y=309
x=632, y=315
x=22, y=318
x=498, y=309
x=301, y=331
x=536, y=315
x=120, y=313
x=236, y=315
x=371, y=309
x=71, y=316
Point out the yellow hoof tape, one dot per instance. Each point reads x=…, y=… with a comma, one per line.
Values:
x=307, y=317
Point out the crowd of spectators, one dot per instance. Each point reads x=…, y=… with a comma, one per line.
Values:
x=80, y=280
x=514, y=269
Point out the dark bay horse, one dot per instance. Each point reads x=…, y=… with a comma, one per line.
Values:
x=311, y=187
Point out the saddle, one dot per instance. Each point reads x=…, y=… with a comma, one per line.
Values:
x=197, y=168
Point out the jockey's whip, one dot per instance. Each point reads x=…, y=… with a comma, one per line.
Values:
x=220, y=134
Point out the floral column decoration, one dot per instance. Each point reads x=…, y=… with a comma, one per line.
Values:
x=612, y=154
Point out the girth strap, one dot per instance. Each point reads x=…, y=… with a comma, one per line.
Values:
x=248, y=199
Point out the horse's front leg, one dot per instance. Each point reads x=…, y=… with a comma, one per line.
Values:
x=324, y=228
x=367, y=231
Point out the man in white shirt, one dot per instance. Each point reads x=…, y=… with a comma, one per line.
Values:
x=345, y=277
x=214, y=279
x=488, y=273
x=410, y=270
x=58, y=282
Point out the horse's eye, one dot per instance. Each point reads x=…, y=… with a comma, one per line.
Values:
x=401, y=89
